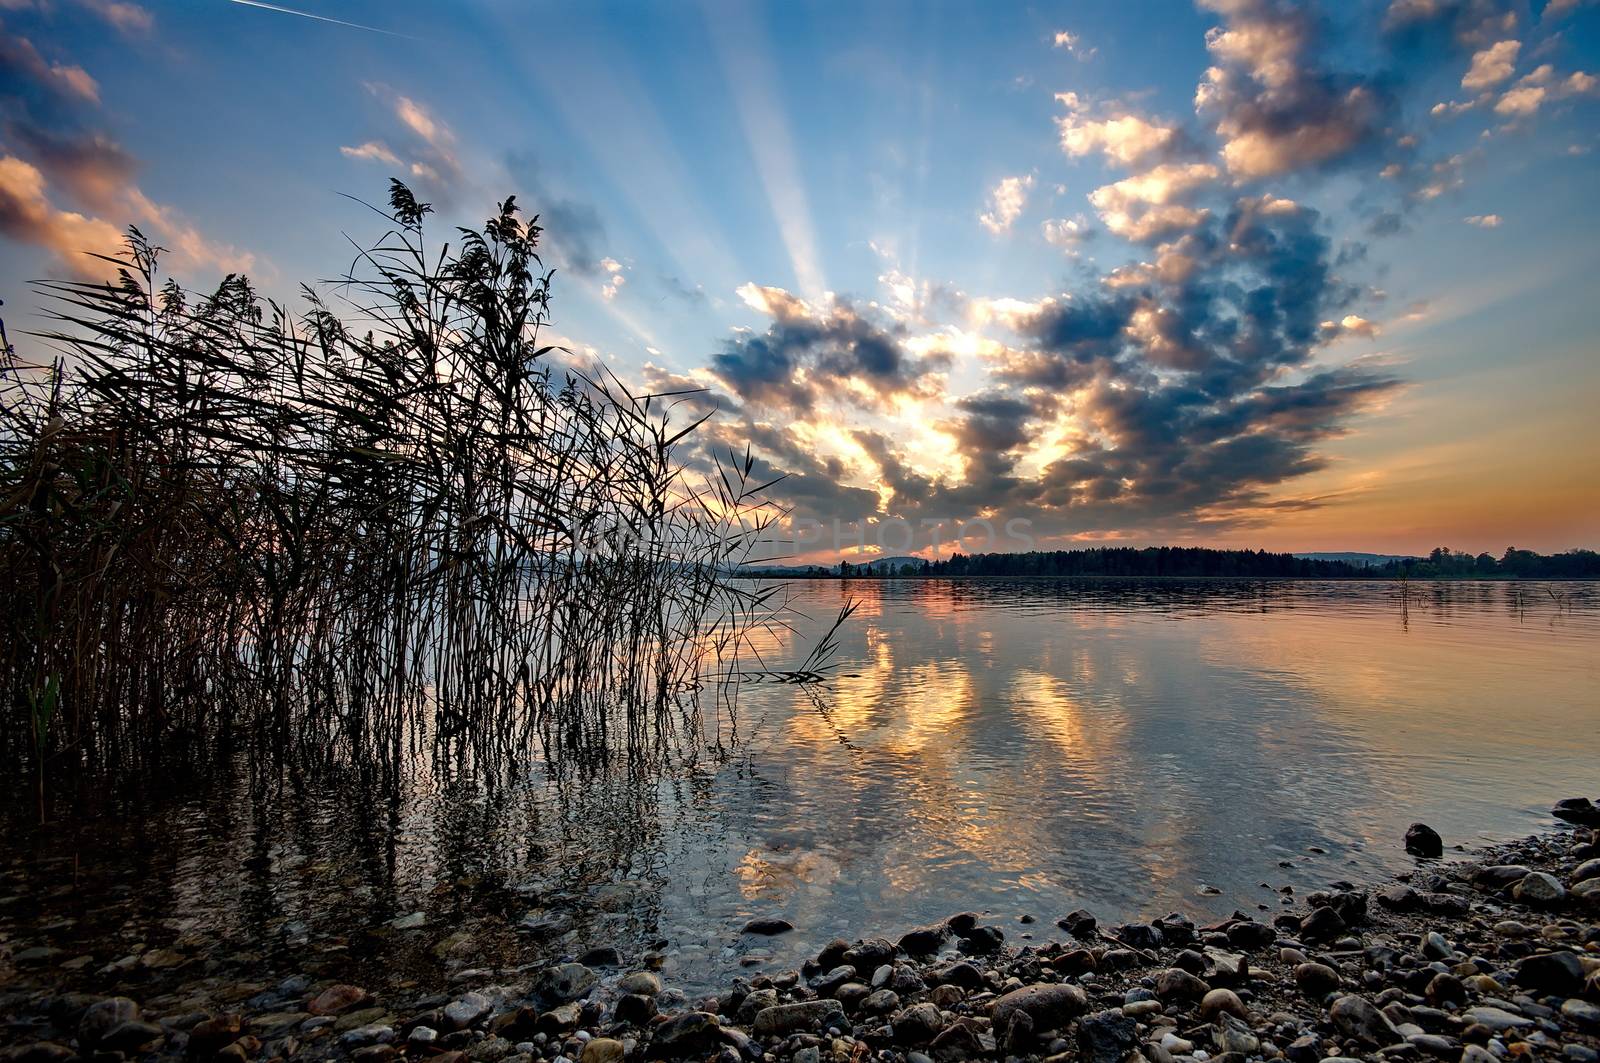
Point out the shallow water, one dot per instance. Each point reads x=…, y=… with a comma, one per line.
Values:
x=1018, y=749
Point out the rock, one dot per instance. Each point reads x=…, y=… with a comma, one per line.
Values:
x=645, y=983
x=1220, y=1002
x=1586, y=892
x=1322, y=924
x=957, y=1041
x=1499, y=876
x=832, y=954
x=1496, y=1019
x=869, y=955
x=559, y=1020
x=1306, y=1048
x=1399, y=898
x=918, y=1024
x=635, y=1008
x=1555, y=973
x=602, y=1050
x=1175, y=929
x=982, y=940
x=1423, y=840
x=780, y=1020
x=460, y=1014
x=562, y=984
x=337, y=999
x=1357, y=1018
x=923, y=941
x=1106, y=1037
x=1579, y=810
x=410, y=922
x=829, y=983
x=210, y=1036
x=1587, y=870
x=103, y=1016
x=1176, y=983
x=1050, y=1006
x=1536, y=887
x=603, y=956
x=131, y=1038
x=1248, y=934
x=1585, y=1014
x=851, y=994
x=961, y=974
x=1078, y=923
x=1445, y=989
x=692, y=1033
x=1142, y=936
x=1435, y=946
x=1075, y=961
x=1316, y=980
x=767, y=926
x=1435, y=1045
x=1017, y=1036
x=1234, y=1036
x=881, y=1002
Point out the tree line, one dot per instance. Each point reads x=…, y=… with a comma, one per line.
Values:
x=1192, y=561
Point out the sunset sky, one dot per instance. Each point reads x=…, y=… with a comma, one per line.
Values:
x=1233, y=273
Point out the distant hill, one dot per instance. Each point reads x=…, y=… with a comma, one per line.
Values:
x=1360, y=560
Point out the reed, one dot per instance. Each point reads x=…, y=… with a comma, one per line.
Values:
x=332, y=536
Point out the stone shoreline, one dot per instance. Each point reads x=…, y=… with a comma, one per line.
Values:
x=1494, y=958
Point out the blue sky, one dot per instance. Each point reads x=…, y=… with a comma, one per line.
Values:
x=1242, y=272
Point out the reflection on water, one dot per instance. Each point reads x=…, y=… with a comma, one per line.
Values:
x=1016, y=748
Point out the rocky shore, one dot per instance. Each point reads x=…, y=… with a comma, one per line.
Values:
x=1493, y=958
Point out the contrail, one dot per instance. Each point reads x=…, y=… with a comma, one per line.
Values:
x=320, y=18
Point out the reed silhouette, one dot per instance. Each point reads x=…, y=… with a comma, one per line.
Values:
x=337, y=535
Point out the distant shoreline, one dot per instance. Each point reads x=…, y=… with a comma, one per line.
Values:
x=768, y=574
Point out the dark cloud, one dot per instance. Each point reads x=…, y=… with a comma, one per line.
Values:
x=1277, y=98
x=808, y=351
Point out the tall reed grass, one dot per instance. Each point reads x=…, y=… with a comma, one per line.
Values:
x=329, y=535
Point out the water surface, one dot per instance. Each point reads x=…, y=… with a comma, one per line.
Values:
x=1018, y=749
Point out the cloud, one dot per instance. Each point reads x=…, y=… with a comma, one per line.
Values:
x=1152, y=205
x=128, y=18
x=1492, y=66
x=26, y=69
x=423, y=147
x=810, y=354
x=28, y=216
x=55, y=156
x=1066, y=233
x=1483, y=221
x=373, y=151
x=1006, y=202
x=615, y=278
x=1072, y=43
x=1276, y=100
x=1124, y=137
x=1556, y=8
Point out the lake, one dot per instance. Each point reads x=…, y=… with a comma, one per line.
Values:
x=1020, y=749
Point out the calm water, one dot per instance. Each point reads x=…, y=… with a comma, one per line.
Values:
x=1009, y=748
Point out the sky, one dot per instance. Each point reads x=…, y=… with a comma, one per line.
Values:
x=1236, y=273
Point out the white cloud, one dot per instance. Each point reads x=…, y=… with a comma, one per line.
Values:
x=1072, y=43
x=1492, y=66
x=1126, y=138
x=1483, y=221
x=1066, y=233
x=371, y=151
x=1006, y=202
